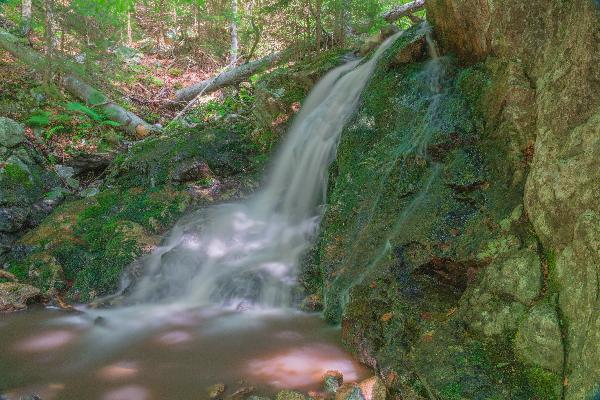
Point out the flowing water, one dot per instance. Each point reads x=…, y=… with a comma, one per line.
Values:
x=215, y=302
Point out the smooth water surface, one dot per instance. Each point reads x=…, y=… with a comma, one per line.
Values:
x=47, y=353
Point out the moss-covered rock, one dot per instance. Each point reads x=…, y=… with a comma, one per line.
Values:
x=11, y=133
x=81, y=249
x=26, y=185
x=545, y=105
x=425, y=254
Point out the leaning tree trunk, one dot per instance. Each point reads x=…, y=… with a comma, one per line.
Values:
x=130, y=122
x=229, y=77
x=405, y=10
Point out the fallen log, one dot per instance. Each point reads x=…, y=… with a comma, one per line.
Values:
x=229, y=77
x=405, y=10
x=128, y=121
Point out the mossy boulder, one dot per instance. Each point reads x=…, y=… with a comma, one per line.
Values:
x=11, y=132
x=27, y=184
x=545, y=105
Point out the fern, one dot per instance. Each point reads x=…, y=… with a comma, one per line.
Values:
x=82, y=108
x=39, y=119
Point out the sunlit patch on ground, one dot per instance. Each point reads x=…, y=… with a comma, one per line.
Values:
x=119, y=370
x=303, y=366
x=130, y=392
x=47, y=341
x=174, y=337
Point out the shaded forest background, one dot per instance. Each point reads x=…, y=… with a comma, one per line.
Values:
x=139, y=53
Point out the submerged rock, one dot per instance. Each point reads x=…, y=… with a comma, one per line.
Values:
x=332, y=380
x=216, y=391
x=373, y=389
x=290, y=395
x=16, y=296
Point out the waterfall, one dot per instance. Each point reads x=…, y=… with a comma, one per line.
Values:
x=247, y=254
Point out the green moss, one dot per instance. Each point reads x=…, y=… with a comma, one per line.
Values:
x=19, y=269
x=545, y=385
x=451, y=391
x=16, y=175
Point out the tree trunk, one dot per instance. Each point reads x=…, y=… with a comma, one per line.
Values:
x=404, y=10
x=234, y=33
x=318, y=23
x=229, y=77
x=26, y=17
x=129, y=30
x=130, y=122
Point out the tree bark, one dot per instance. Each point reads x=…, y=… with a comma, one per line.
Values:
x=26, y=17
x=129, y=30
x=230, y=77
x=234, y=33
x=404, y=10
x=130, y=122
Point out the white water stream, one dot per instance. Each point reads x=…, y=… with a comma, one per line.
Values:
x=246, y=254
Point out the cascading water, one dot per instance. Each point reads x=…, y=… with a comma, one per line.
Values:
x=247, y=253
x=226, y=258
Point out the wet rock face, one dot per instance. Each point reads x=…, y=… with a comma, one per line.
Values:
x=25, y=184
x=555, y=44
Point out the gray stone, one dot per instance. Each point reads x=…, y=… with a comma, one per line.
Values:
x=64, y=171
x=538, y=341
x=11, y=132
x=12, y=218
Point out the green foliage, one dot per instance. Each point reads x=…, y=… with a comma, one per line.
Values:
x=39, y=119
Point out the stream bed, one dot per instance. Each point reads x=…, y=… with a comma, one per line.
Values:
x=58, y=355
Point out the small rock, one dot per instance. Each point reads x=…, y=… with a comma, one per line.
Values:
x=312, y=303
x=241, y=393
x=349, y=392
x=189, y=172
x=64, y=171
x=410, y=53
x=16, y=296
x=332, y=380
x=216, y=391
x=290, y=395
x=11, y=132
x=89, y=192
x=12, y=218
x=373, y=389
x=31, y=397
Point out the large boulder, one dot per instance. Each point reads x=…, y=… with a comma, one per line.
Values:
x=555, y=45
